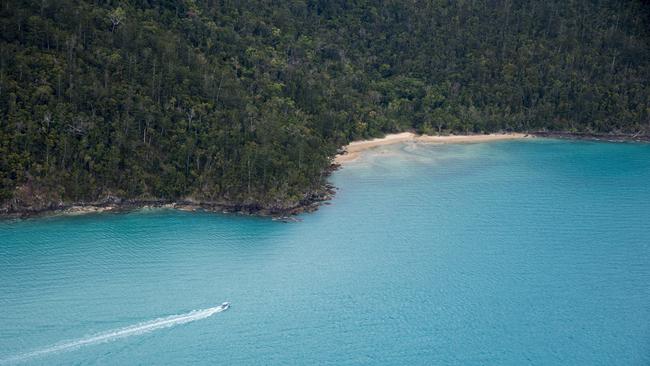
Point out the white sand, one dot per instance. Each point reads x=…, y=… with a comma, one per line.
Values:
x=355, y=148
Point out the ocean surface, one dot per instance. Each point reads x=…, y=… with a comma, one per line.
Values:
x=508, y=253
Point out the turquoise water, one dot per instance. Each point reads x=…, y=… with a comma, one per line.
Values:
x=510, y=253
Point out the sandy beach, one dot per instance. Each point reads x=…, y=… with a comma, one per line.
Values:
x=353, y=150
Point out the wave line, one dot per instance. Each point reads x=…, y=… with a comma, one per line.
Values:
x=111, y=335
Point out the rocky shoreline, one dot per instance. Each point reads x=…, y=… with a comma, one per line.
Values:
x=310, y=203
x=593, y=136
x=282, y=211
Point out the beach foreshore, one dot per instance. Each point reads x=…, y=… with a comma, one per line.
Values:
x=354, y=149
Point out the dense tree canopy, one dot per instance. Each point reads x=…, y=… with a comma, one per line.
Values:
x=248, y=100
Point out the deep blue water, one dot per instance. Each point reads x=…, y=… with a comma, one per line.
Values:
x=509, y=253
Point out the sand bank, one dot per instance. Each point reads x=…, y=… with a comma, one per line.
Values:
x=353, y=150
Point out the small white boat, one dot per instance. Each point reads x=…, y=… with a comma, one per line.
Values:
x=225, y=306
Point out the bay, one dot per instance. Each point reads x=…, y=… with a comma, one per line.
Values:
x=508, y=253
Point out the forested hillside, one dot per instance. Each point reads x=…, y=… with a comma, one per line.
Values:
x=246, y=101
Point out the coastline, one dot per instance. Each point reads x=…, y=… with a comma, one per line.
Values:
x=352, y=151
x=593, y=136
x=282, y=211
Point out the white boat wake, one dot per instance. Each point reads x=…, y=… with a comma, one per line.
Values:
x=108, y=336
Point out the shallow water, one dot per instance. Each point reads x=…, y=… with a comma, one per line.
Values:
x=508, y=253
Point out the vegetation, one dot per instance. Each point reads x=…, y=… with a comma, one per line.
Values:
x=246, y=101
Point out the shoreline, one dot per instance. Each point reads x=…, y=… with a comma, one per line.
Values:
x=592, y=136
x=115, y=205
x=353, y=150
x=280, y=211
x=310, y=202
